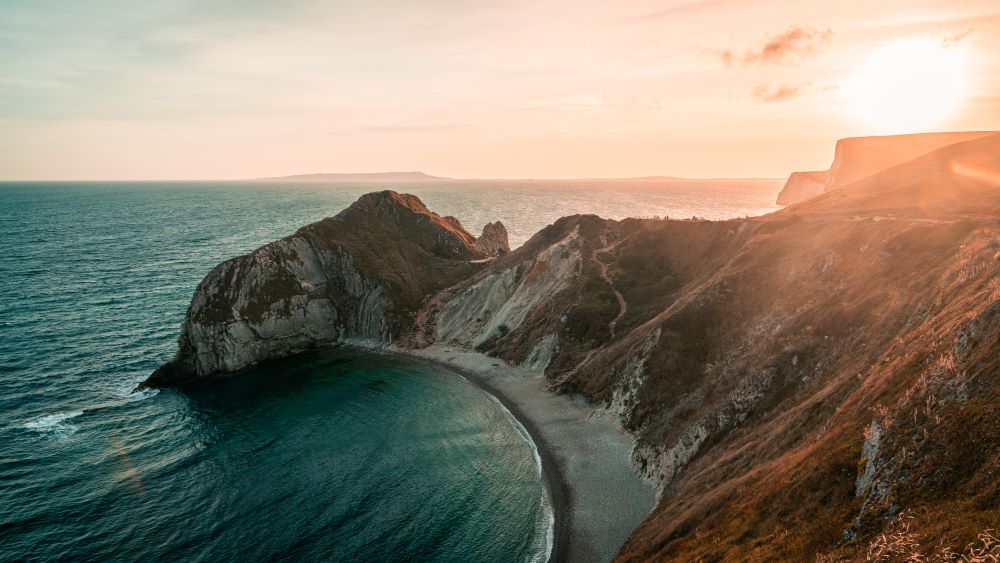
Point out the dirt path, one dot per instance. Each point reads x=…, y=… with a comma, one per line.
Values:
x=622, y=305
x=622, y=309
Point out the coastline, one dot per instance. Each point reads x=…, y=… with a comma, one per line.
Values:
x=554, y=482
x=596, y=498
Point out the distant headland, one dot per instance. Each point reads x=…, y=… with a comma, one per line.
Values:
x=354, y=177
x=417, y=176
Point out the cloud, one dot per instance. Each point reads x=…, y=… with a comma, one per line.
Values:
x=776, y=93
x=793, y=44
x=682, y=9
x=780, y=92
x=413, y=128
x=399, y=129
x=955, y=38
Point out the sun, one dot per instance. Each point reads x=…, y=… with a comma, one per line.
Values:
x=910, y=85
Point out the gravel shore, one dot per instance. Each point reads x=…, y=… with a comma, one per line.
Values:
x=597, y=498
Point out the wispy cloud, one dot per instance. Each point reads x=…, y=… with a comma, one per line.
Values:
x=775, y=92
x=789, y=46
x=420, y=128
x=682, y=9
x=956, y=38
x=770, y=92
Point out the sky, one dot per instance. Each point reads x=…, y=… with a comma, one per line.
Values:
x=118, y=89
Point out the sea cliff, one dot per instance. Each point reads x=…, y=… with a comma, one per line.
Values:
x=855, y=158
x=801, y=186
x=360, y=275
x=794, y=381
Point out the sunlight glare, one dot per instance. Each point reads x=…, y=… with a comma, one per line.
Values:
x=910, y=85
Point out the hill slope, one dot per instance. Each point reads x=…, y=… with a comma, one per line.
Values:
x=794, y=381
x=858, y=157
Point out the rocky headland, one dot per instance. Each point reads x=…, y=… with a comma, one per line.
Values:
x=361, y=275
x=801, y=186
x=855, y=158
x=793, y=382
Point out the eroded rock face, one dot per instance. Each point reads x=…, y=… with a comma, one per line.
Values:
x=360, y=275
x=526, y=307
x=802, y=186
x=500, y=301
x=856, y=158
x=493, y=241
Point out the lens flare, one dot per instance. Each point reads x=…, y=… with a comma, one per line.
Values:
x=910, y=85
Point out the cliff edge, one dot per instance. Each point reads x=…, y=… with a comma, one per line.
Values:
x=859, y=157
x=359, y=275
x=801, y=186
x=795, y=382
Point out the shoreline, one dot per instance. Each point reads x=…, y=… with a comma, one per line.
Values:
x=597, y=499
x=552, y=479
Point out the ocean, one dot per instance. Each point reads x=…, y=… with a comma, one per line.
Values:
x=342, y=455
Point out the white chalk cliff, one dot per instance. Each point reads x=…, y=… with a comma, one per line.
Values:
x=859, y=157
x=360, y=275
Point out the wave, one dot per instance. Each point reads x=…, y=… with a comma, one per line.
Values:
x=58, y=423
x=126, y=389
x=548, y=517
x=54, y=423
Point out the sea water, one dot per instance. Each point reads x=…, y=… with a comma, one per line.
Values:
x=341, y=455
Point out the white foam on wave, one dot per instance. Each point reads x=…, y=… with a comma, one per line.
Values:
x=140, y=395
x=548, y=519
x=126, y=389
x=54, y=423
x=130, y=395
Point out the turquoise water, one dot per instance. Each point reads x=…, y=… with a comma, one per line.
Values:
x=340, y=456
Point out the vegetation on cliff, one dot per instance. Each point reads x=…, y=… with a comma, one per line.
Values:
x=795, y=381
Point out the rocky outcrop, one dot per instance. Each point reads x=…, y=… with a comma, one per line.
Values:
x=493, y=241
x=544, y=305
x=502, y=299
x=959, y=179
x=360, y=275
x=801, y=186
x=859, y=157
x=793, y=381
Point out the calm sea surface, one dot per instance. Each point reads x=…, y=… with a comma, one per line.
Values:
x=339, y=456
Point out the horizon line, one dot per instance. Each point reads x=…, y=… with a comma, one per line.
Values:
x=430, y=178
